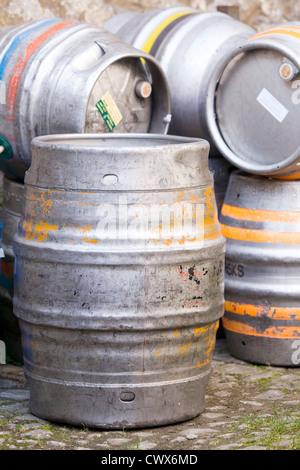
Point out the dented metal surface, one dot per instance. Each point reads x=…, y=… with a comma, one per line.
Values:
x=118, y=304
x=61, y=76
x=260, y=219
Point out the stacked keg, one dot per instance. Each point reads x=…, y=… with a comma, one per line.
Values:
x=258, y=132
x=111, y=231
x=240, y=90
x=118, y=259
x=55, y=77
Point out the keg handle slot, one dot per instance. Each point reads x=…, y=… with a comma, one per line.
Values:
x=102, y=47
x=89, y=58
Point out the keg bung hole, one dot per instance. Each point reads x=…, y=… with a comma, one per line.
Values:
x=243, y=343
x=127, y=397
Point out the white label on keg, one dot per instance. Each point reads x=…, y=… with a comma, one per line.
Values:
x=109, y=111
x=272, y=105
x=2, y=255
x=2, y=92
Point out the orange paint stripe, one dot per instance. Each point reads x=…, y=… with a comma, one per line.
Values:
x=260, y=236
x=284, y=332
x=20, y=65
x=276, y=313
x=296, y=176
x=257, y=215
x=285, y=32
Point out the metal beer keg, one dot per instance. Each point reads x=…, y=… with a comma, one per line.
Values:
x=119, y=283
x=191, y=47
x=260, y=219
x=60, y=77
x=257, y=104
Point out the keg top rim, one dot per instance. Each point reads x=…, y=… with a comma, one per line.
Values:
x=105, y=141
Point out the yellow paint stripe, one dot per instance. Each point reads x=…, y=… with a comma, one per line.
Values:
x=276, y=313
x=257, y=215
x=260, y=236
x=152, y=38
x=284, y=332
x=283, y=31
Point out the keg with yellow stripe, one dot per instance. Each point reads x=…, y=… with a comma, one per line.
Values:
x=260, y=219
x=258, y=104
x=60, y=76
x=191, y=47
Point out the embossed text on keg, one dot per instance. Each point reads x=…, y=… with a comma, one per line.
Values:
x=296, y=353
x=181, y=222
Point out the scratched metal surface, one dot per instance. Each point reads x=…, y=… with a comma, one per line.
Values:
x=119, y=325
x=260, y=220
x=54, y=72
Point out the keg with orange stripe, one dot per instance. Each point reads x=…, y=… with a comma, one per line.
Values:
x=191, y=46
x=260, y=219
x=258, y=104
x=59, y=76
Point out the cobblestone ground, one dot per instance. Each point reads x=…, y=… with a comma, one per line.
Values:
x=247, y=407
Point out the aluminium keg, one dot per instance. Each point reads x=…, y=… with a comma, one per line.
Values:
x=191, y=47
x=261, y=222
x=10, y=217
x=257, y=104
x=59, y=76
x=119, y=278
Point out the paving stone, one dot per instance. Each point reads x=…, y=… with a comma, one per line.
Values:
x=271, y=395
x=60, y=445
x=254, y=448
x=194, y=433
x=212, y=415
x=227, y=446
x=147, y=445
x=118, y=441
x=39, y=434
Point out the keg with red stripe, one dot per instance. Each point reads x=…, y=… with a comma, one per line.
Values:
x=59, y=76
x=260, y=219
x=258, y=104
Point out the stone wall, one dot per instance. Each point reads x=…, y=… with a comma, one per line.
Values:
x=260, y=14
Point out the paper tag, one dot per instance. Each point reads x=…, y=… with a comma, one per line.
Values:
x=109, y=111
x=272, y=105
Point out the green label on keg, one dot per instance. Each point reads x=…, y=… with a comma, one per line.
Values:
x=109, y=111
